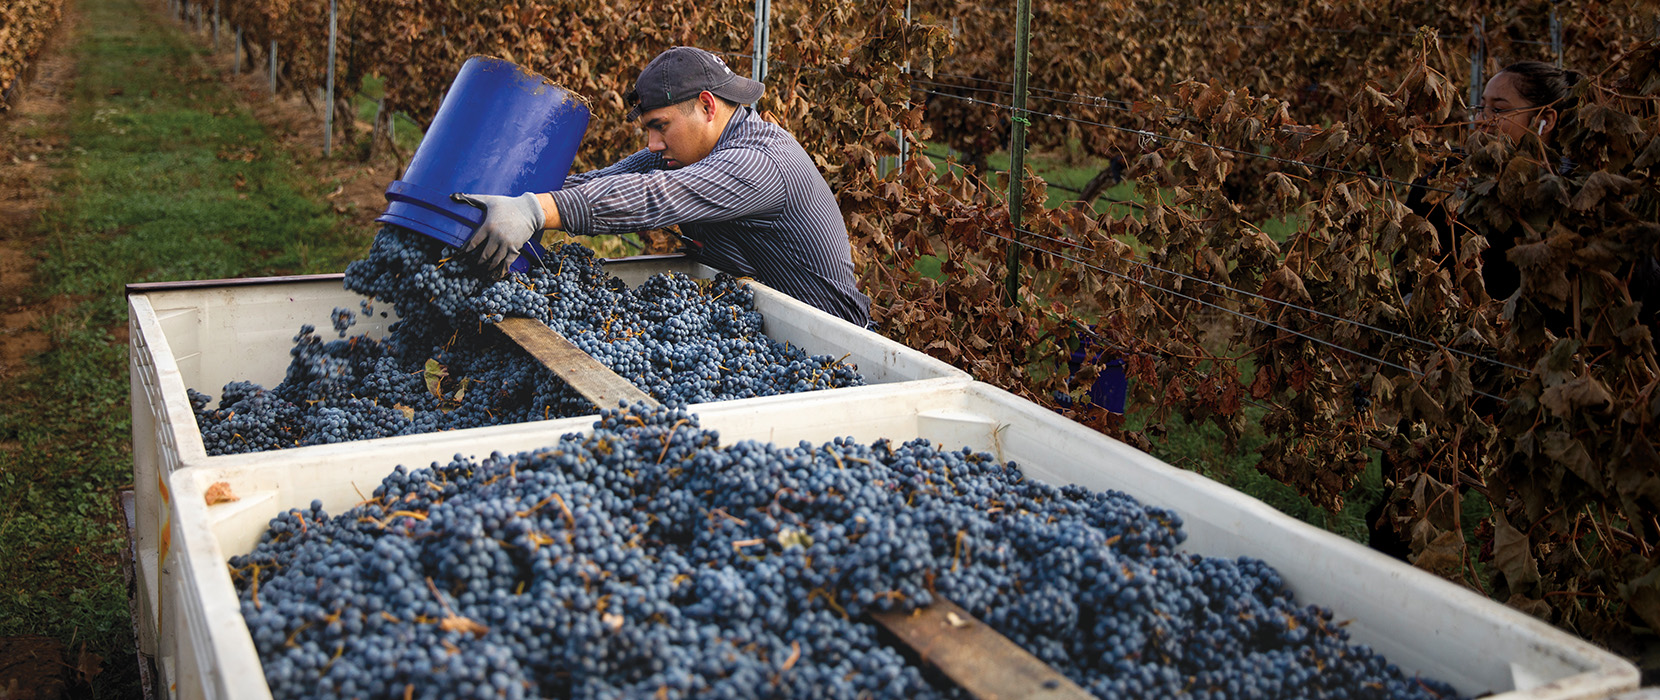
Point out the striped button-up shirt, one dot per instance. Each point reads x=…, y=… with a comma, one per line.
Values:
x=756, y=206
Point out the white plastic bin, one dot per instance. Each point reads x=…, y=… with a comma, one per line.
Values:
x=1421, y=622
x=201, y=335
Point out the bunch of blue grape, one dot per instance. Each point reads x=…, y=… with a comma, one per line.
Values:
x=439, y=368
x=646, y=559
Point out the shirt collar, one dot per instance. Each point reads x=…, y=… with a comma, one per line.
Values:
x=741, y=115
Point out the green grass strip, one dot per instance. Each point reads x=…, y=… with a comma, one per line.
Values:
x=171, y=178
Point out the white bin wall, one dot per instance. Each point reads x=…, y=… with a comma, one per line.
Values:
x=226, y=334
x=147, y=501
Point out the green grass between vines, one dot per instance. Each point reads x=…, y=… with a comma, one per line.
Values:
x=164, y=177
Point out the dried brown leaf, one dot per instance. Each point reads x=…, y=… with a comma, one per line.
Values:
x=1643, y=595
x=1600, y=186
x=1513, y=555
x=1443, y=555
x=1582, y=393
x=219, y=492
x=1285, y=285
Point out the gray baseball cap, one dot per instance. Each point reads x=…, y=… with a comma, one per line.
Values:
x=680, y=74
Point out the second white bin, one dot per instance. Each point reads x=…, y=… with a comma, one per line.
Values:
x=1421, y=622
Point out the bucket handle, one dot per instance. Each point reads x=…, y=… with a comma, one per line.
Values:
x=411, y=193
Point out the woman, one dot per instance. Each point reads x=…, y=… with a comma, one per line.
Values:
x=1526, y=98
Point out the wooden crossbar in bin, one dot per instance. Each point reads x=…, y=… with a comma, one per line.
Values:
x=586, y=375
x=974, y=656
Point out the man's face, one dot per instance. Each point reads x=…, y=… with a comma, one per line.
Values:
x=685, y=133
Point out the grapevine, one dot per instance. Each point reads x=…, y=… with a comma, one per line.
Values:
x=24, y=26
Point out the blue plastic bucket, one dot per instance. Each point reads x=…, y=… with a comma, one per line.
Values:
x=1111, y=384
x=501, y=129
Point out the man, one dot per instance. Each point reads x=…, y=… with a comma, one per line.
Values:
x=748, y=200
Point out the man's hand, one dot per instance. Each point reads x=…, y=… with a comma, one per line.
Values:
x=509, y=222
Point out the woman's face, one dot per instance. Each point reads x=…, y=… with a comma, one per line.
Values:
x=1504, y=110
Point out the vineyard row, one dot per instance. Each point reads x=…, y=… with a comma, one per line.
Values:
x=24, y=26
x=1519, y=464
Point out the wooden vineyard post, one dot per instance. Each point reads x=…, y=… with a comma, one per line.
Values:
x=328, y=100
x=1017, y=146
x=763, y=40
x=1478, y=62
x=1556, y=34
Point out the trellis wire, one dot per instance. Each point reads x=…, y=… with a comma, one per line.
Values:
x=1150, y=266
x=1091, y=100
x=1108, y=344
x=1096, y=102
x=1248, y=317
x=1202, y=144
x=1058, y=186
x=1318, y=30
x=1393, y=334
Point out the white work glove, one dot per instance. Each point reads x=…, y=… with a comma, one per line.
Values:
x=509, y=222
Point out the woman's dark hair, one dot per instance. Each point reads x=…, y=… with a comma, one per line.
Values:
x=1543, y=84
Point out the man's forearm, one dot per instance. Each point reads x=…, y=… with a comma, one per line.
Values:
x=550, y=211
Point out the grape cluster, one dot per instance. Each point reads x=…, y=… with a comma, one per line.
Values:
x=343, y=319
x=646, y=559
x=439, y=368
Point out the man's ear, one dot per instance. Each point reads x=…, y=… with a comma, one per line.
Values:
x=709, y=104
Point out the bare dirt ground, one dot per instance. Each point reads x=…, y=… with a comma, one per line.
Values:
x=31, y=141
x=32, y=667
